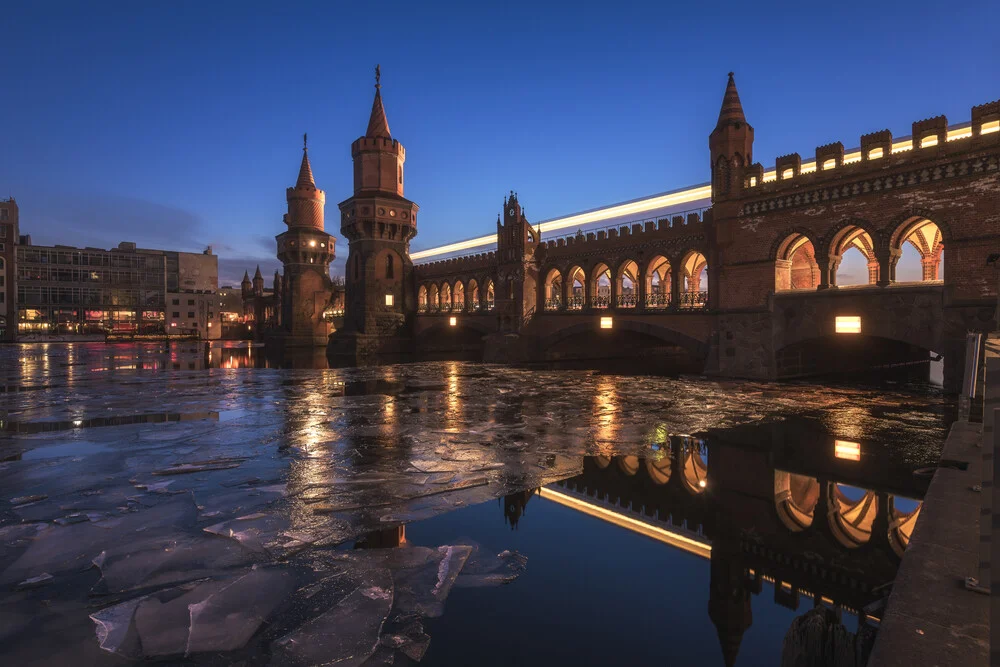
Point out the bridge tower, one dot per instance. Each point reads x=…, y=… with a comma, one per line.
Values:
x=517, y=276
x=305, y=251
x=378, y=223
x=731, y=146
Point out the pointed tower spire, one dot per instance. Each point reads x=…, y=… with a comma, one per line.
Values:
x=732, y=109
x=257, y=275
x=246, y=277
x=305, y=170
x=378, y=124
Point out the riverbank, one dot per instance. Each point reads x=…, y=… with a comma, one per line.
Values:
x=931, y=618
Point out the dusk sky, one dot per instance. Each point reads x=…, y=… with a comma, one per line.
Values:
x=179, y=124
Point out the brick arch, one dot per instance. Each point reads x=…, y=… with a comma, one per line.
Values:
x=693, y=345
x=478, y=324
x=828, y=238
x=784, y=235
x=941, y=220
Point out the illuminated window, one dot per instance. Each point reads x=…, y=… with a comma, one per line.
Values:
x=312, y=244
x=830, y=164
x=388, y=299
x=788, y=173
x=844, y=449
x=929, y=141
x=753, y=181
x=606, y=322
x=849, y=324
x=875, y=153
x=452, y=321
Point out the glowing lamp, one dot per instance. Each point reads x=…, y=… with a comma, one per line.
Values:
x=388, y=299
x=849, y=451
x=452, y=321
x=702, y=483
x=848, y=324
x=173, y=324
x=312, y=244
x=606, y=323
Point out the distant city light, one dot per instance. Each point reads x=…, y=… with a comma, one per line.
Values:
x=844, y=449
x=848, y=324
x=606, y=323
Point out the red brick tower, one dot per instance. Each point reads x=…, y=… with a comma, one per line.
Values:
x=517, y=275
x=731, y=145
x=378, y=223
x=305, y=251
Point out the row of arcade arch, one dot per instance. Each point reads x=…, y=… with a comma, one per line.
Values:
x=458, y=296
x=655, y=284
x=855, y=255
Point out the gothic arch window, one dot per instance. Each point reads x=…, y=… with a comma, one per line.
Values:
x=388, y=266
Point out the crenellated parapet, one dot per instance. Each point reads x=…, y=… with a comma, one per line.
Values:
x=930, y=140
x=671, y=229
x=455, y=266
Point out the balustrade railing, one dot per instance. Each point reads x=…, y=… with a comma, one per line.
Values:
x=627, y=300
x=600, y=301
x=574, y=303
x=657, y=300
x=694, y=299
x=553, y=304
x=490, y=305
x=422, y=308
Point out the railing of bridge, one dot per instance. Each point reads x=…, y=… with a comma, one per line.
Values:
x=693, y=300
x=575, y=303
x=657, y=300
x=627, y=300
x=600, y=301
x=553, y=304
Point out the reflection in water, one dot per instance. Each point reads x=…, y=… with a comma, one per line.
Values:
x=286, y=469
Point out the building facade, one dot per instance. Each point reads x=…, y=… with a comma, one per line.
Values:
x=127, y=290
x=9, y=236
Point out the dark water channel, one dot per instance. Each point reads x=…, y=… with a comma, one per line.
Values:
x=174, y=504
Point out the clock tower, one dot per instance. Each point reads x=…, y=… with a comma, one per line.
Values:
x=378, y=223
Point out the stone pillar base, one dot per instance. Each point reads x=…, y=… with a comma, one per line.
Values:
x=507, y=348
x=357, y=349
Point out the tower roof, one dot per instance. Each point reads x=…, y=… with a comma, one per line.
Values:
x=246, y=277
x=305, y=169
x=378, y=124
x=732, y=109
x=257, y=275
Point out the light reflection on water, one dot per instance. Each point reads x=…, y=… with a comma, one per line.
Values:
x=306, y=463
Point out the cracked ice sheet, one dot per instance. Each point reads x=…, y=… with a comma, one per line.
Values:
x=347, y=634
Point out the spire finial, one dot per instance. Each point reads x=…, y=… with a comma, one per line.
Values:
x=305, y=141
x=378, y=76
x=731, y=75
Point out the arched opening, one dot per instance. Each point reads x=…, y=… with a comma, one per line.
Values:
x=389, y=268
x=435, y=301
x=474, y=295
x=795, y=265
x=575, y=281
x=916, y=252
x=628, y=464
x=422, y=299
x=852, y=258
x=658, y=279
x=628, y=285
x=694, y=463
x=659, y=469
x=458, y=296
x=694, y=270
x=903, y=514
x=445, y=297
x=839, y=354
x=853, y=514
x=488, y=293
x=795, y=498
x=553, y=290
x=600, y=287
x=602, y=462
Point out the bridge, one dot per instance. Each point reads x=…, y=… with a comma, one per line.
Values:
x=744, y=276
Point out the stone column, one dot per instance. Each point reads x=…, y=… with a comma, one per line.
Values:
x=641, y=290
x=676, y=281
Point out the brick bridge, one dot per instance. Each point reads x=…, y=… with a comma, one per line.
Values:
x=746, y=286
x=749, y=286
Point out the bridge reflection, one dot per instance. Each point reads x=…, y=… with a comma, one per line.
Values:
x=811, y=522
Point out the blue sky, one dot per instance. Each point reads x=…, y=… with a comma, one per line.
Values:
x=179, y=124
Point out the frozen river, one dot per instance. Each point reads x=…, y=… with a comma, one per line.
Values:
x=167, y=502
